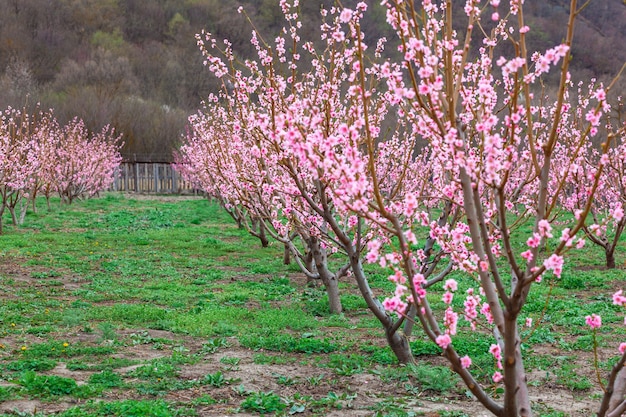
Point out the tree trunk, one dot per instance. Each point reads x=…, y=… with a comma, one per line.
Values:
x=619, y=390
x=310, y=266
x=516, y=399
x=613, y=403
x=332, y=289
x=34, y=200
x=329, y=279
x=399, y=344
x=610, y=259
x=258, y=230
x=286, y=256
x=23, y=211
x=263, y=235
x=13, y=216
x=396, y=339
x=410, y=320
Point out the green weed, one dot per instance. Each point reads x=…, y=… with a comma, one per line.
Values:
x=128, y=408
x=216, y=380
x=213, y=345
x=263, y=402
x=45, y=386
x=38, y=365
x=107, y=379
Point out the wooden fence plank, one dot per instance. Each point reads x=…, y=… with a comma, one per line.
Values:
x=150, y=178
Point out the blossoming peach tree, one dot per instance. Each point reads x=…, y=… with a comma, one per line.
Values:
x=38, y=155
x=497, y=143
x=222, y=156
x=428, y=161
x=607, y=209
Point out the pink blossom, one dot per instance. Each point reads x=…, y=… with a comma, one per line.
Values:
x=600, y=94
x=534, y=241
x=619, y=299
x=486, y=311
x=398, y=277
x=544, y=228
x=450, y=321
x=528, y=255
x=555, y=264
x=391, y=304
x=345, y=15
x=471, y=303
x=466, y=362
x=443, y=341
x=622, y=348
x=418, y=280
x=496, y=351
x=497, y=377
x=617, y=213
x=594, y=321
x=450, y=285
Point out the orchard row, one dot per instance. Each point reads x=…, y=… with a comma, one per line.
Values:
x=40, y=157
x=439, y=159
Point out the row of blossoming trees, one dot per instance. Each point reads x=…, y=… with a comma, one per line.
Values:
x=39, y=156
x=425, y=165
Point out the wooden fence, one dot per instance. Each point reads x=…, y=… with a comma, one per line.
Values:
x=150, y=178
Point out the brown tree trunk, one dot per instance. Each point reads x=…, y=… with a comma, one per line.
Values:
x=329, y=279
x=516, y=398
x=286, y=256
x=263, y=235
x=410, y=321
x=610, y=259
x=258, y=230
x=399, y=344
x=396, y=339
x=13, y=216
x=619, y=389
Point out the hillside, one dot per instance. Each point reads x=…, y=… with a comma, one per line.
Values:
x=135, y=63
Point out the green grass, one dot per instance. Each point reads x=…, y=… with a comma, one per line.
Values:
x=88, y=287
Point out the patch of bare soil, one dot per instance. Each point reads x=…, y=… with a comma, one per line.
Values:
x=364, y=392
x=33, y=406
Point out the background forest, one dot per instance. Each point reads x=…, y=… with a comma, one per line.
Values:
x=135, y=64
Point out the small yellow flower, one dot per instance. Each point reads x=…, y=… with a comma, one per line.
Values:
x=66, y=344
x=46, y=311
x=23, y=348
x=12, y=324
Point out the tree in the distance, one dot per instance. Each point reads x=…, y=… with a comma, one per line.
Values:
x=19, y=161
x=86, y=162
x=606, y=215
x=38, y=155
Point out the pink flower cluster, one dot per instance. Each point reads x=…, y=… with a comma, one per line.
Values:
x=37, y=155
x=594, y=321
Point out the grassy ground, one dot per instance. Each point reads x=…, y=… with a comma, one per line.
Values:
x=123, y=306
